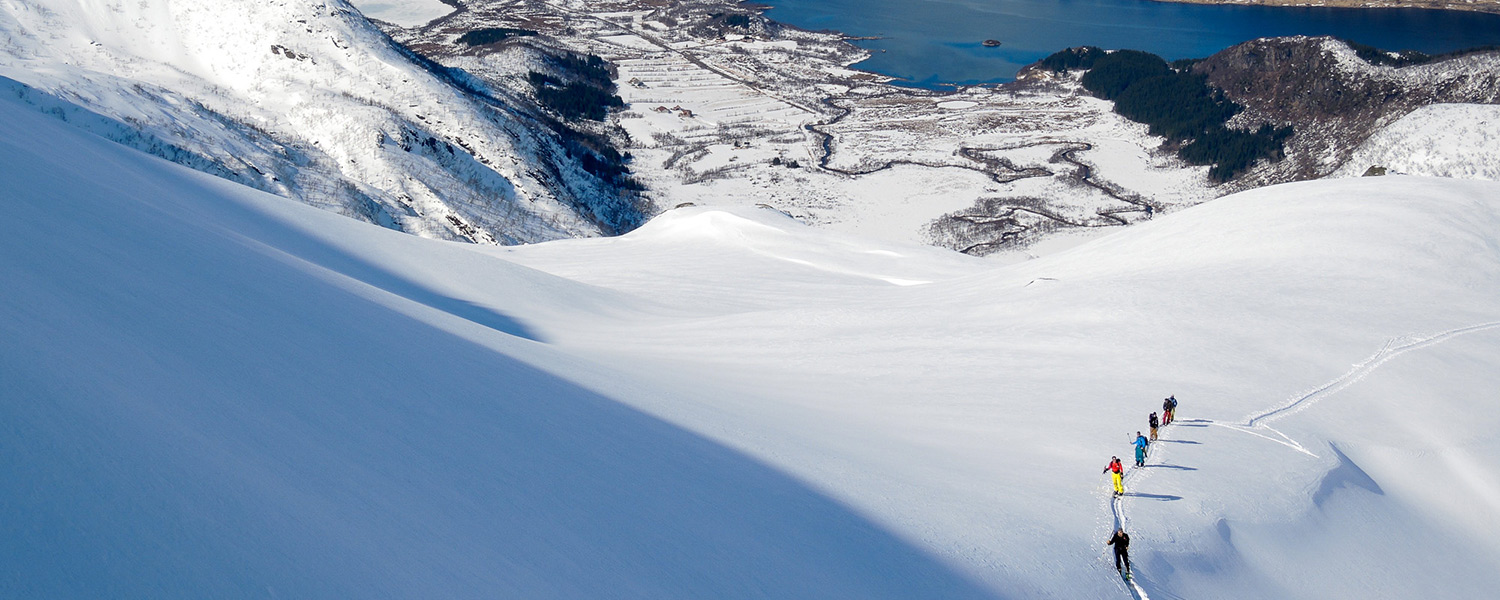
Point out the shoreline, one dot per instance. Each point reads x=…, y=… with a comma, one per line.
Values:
x=1483, y=6
x=763, y=9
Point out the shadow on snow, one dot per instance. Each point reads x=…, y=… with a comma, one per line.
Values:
x=199, y=417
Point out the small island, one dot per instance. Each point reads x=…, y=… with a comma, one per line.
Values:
x=991, y=43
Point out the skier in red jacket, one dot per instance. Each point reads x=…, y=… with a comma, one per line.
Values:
x=1116, y=474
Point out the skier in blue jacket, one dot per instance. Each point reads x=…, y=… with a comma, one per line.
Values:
x=1140, y=449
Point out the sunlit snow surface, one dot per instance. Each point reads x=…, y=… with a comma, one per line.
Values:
x=207, y=391
x=1441, y=140
x=406, y=13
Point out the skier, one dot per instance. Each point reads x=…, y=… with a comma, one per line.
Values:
x=1154, y=425
x=1140, y=449
x=1116, y=474
x=1167, y=407
x=1121, y=542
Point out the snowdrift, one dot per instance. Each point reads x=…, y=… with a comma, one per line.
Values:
x=208, y=391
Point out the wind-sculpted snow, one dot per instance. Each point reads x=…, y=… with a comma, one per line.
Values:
x=207, y=391
x=306, y=99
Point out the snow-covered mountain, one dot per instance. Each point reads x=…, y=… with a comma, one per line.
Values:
x=1336, y=96
x=209, y=391
x=307, y=99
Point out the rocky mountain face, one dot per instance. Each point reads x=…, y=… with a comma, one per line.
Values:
x=1335, y=96
x=309, y=100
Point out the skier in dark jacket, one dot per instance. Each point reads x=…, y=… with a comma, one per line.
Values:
x=1168, y=408
x=1154, y=424
x=1121, y=542
x=1140, y=449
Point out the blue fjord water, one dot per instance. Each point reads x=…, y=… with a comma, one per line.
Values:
x=933, y=42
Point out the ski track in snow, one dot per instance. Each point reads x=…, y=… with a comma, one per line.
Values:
x=1255, y=424
x=1117, y=507
x=1393, y=347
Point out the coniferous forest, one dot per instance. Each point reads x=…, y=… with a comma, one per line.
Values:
x=1176, y=104
x=589, y=94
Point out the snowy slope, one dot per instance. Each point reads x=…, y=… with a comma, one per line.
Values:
x=974, y=413
x=1442, y=140
x=212, y=392
x=306, y=99
x=208, y=391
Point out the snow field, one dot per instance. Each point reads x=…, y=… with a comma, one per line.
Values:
x=1232, y=306
x=406, y=13
x=671, y=80
x=213, y=392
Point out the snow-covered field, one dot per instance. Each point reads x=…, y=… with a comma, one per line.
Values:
x=406, y=13
x=1441, y=140
x=898, y=160
x=209, y=391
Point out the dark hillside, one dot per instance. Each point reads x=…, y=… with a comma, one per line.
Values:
x=1176, y=104
x=1238, y=109
x=1336, y=94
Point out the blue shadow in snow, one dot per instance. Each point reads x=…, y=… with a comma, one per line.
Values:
x=222, y=423
x=1162, y=497
x=1345, y=474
